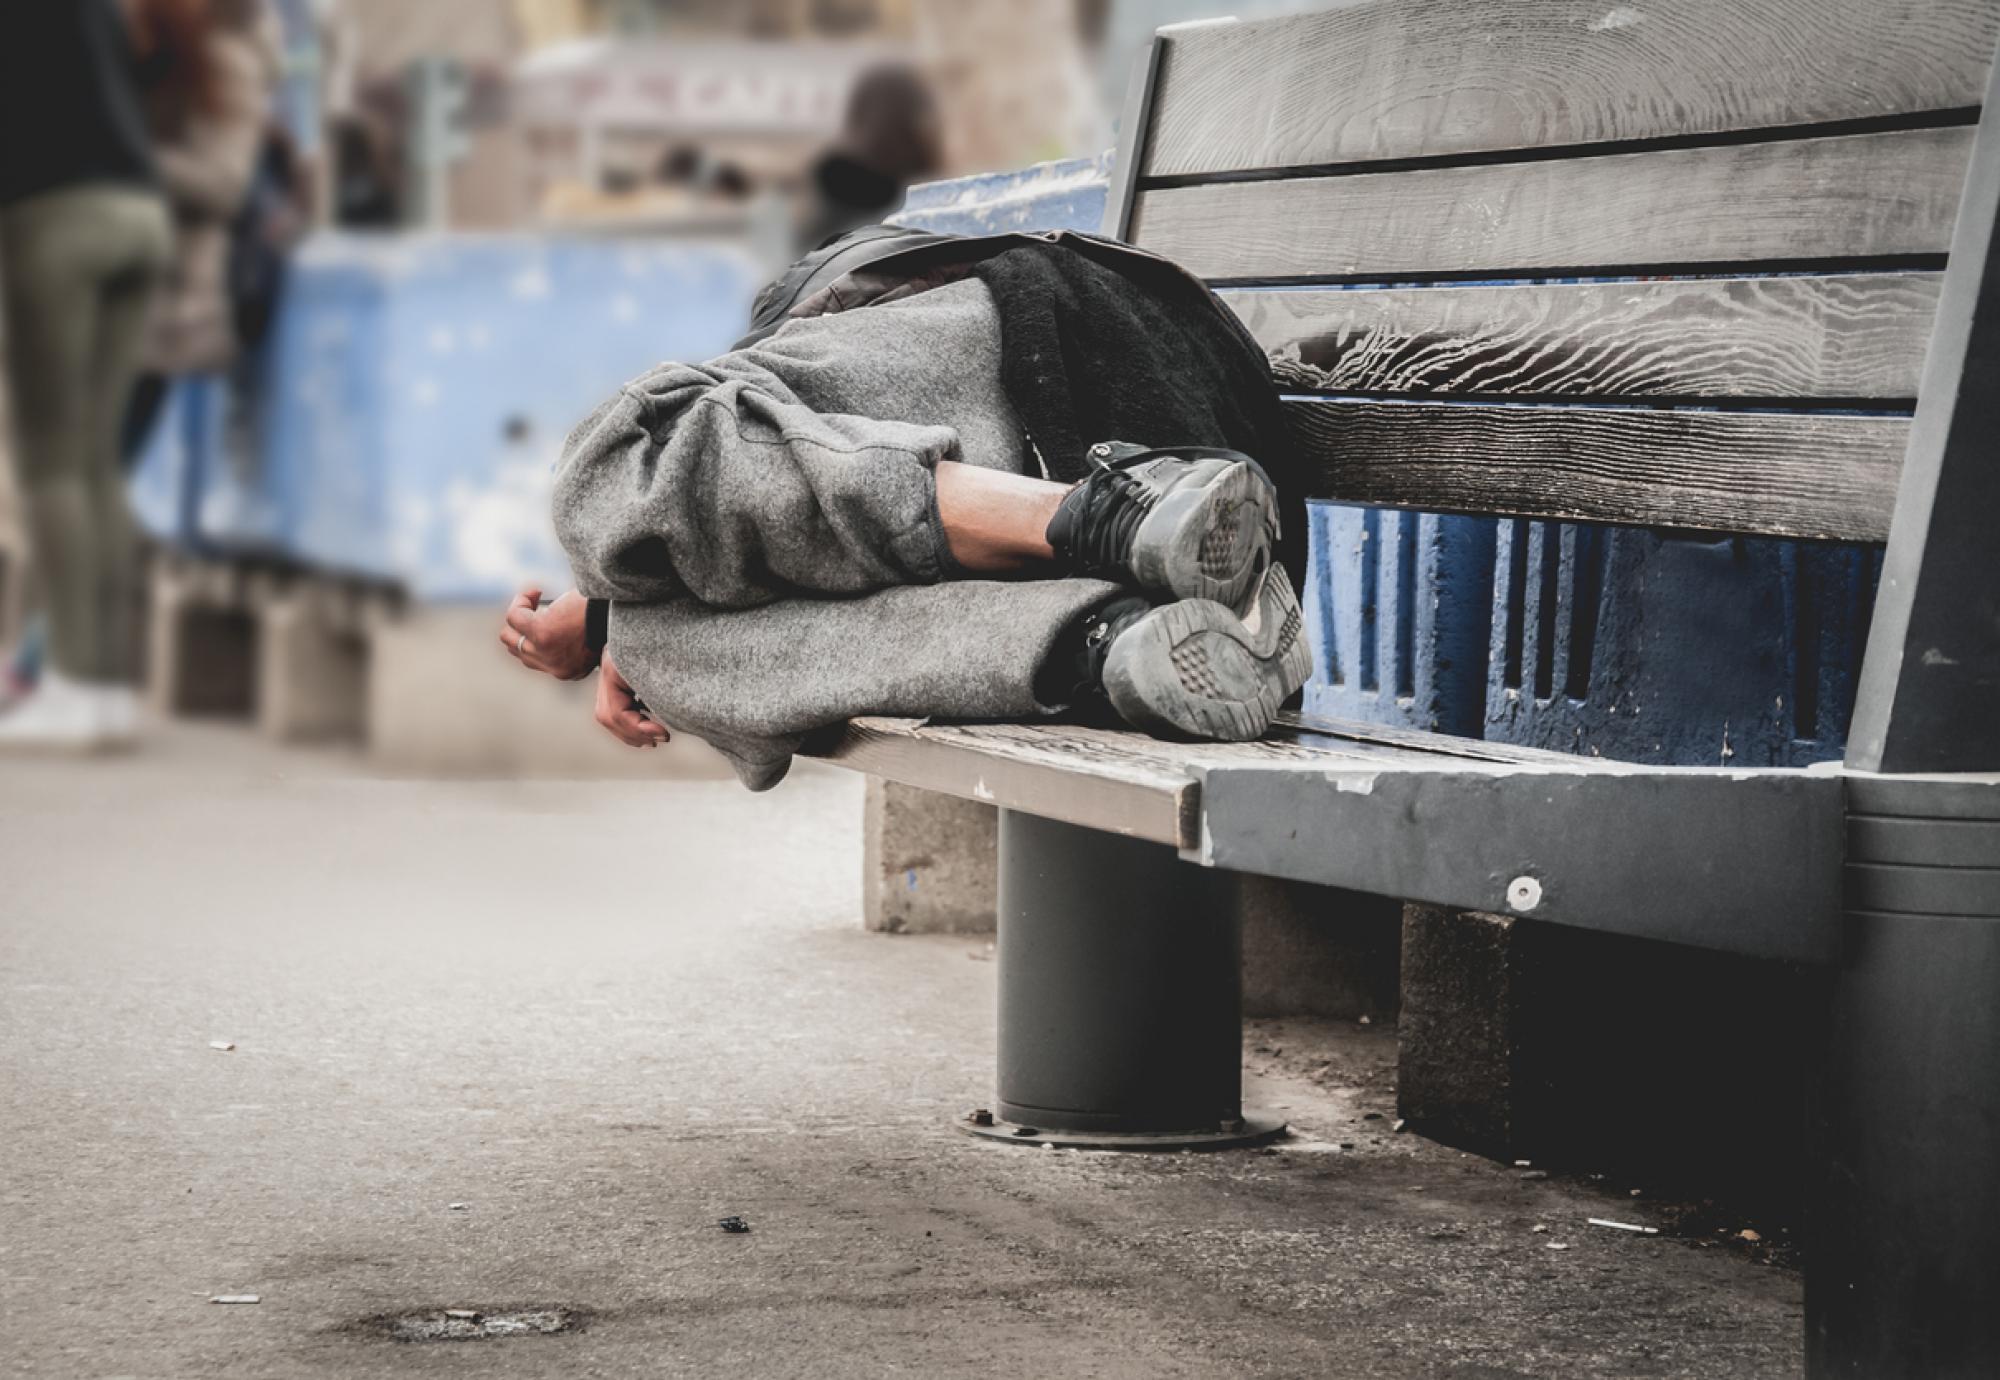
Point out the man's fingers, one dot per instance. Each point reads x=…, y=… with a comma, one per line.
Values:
x=638, y=730
x=521, y=619
x=629, y=728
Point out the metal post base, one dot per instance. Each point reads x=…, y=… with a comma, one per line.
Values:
x=1120, y=974
x=1903, y=1259
x=1241, y=1134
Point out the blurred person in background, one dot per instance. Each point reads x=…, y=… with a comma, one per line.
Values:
x=892, y=136
x=84, y=240
x=209, y=79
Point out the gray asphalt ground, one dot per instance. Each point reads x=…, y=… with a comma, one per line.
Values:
x=601, y=1016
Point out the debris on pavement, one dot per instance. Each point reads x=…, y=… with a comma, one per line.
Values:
x=237, y=1298
x=981, y=1117
x=1523, y=1164
x=458, y=1207
x=734, y=1225
x=1558, y=1245
x=476, y=1325
x=1399, y=1124
x=1623, y=1226
x=1748, y=1235
x=224, y=1045
x=1539, y=1229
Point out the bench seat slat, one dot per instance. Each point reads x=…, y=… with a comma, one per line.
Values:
x=1796, y=202
x=1741, y=860
x=1792, y=475
x=1430, y=78
x=1844, y=336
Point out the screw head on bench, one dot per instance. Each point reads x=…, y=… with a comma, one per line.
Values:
x=1524, y=894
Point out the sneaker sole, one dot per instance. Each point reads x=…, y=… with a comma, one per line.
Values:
x=1193, y=669
x=1210, y=541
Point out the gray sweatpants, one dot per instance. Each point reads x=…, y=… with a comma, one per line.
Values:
x=766, y=527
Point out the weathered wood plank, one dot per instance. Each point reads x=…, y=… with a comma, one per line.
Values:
x=1127, y=782
x=1044, y=771
x=1823, y=476
x=1306, y=731
x=1813, y=200
x=1850, y=335
x=1427, y=78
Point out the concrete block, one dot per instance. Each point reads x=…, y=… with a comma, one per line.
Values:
x=930, y=863
x=1675, y=1068
x=1317, y=951
x=201, y=643
x=445, y=698
x=312, y=665
x=1456, y=1030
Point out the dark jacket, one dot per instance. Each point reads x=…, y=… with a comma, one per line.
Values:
x=69, y=107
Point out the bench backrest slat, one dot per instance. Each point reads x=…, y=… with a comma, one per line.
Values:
x=1435, y=162
x=1778, y=475
x=1792, y=203
x=1439, y=78
x=1850, y=336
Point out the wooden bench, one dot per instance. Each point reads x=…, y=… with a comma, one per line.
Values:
x=1695, y=265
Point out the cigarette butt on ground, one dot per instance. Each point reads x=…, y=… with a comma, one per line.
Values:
x=1623, y=1226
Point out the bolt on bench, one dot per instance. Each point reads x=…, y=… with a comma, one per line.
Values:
x=1673, y=267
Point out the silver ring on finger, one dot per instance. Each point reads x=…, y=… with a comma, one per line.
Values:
x=521, y=646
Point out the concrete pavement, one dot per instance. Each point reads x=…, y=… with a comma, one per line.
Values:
x=602, y=1015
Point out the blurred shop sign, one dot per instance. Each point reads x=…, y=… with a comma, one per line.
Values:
x=693, y=88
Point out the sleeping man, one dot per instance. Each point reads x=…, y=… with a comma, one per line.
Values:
x=999, y=482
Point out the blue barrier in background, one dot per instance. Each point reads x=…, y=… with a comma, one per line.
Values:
x=420, y=389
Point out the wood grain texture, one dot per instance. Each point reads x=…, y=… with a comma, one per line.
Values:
x=1129, y=783
x=1793, y=475
x=1791, y=200
x=1859, y=335
x=1428, y=78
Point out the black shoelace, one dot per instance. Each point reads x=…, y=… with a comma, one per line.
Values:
x=1104, y=512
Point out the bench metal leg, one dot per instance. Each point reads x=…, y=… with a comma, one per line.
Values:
x=1120, y=995
x=1903, y=1259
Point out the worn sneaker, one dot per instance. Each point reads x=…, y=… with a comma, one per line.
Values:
x=1190, y=522
x=1194, y=669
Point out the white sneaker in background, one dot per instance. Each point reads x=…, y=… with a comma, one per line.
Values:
x=64, y=715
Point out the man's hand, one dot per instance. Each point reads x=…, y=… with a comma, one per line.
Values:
x=618, y=710
x=550, y=640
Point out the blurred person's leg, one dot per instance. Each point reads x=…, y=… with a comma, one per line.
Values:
x=79, y=267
